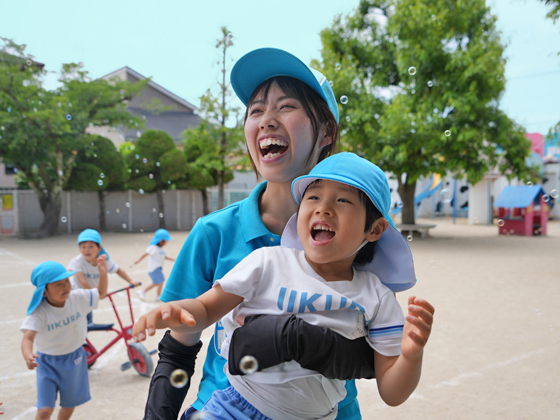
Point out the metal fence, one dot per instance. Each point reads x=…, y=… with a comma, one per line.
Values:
x=125, y=211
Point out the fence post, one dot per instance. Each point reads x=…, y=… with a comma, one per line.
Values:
x=178, y=209
x=130, y=210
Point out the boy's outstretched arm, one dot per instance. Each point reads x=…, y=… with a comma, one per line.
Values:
x=398, y=376
x=27, y=349
x=103, y=280
x=124, y=275
x=188, y=315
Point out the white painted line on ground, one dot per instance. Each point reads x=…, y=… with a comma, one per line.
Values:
x=25, y=413
x=17, y=257
x=4, y=286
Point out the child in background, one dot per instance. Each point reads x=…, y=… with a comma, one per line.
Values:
x=85, y=265
x=343, y=219
x=56, y=324
x=155, y=262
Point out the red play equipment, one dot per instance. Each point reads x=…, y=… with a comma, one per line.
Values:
x=139, y=357
x=522, y=210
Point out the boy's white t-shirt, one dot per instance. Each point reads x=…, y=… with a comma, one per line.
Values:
x=91, y=272
x=157, y=257
x=278, y=280
x=62, y=330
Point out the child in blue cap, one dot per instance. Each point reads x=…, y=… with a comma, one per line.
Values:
x=155, y=262
x=87, y=274
x=56, y=324
x=343, y=261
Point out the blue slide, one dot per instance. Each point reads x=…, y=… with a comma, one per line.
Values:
x=421, y=196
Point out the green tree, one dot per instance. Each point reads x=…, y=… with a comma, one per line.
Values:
x=223, y=146
x=154, y=165
x=43, y=130
x=100, y=168
x=420, y=85
x=554, y=13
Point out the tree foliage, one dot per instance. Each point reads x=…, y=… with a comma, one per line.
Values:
x=554, y=13
x=422, y=82
x=43, y=130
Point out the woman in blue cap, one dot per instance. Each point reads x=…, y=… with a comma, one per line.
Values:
x=56, y=324
x=291, y=123
x=155, y=262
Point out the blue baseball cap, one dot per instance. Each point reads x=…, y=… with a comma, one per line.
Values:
x=262, y=64
x=43, y=274
x=160, y=235
x=93, y=236
x=392, y=261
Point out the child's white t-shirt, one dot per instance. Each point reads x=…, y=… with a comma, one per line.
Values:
x=91, y=272
x=62, y=330
x=278, y=280
x=157, y=257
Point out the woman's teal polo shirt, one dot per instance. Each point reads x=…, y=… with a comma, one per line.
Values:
x=214, y=246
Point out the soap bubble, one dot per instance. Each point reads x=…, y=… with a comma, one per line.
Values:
x=554, y=193
x=161, y=215
x=117, y=210
x=529, y=184
x=151, y=176
x=141, y=191
x=29, y=62
x=501, y=222
x=248, y=364
x=430, y=83
x=412, y=71
x=157, y=163
x=348, y=119
x=100, y=182
x=344, y=99
x=337, y=67
x=101, y=175
x=68, y=117
x=178, y=378
x=409, y=238
x=546, y=198
x=137, y=156
x=446, y=195
x=447, y=133
x=154, y=210
x=138, y=134
x=127, y=204
x=124, y=225
x=400, y=204
x=63, y=219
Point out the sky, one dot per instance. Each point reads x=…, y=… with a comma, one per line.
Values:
x=174, y=41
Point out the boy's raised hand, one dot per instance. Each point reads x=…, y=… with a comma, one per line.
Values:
x=102, y=264
x=417, y=327
x=168, y=315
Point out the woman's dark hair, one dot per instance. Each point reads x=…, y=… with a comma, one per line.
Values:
x=315, y=107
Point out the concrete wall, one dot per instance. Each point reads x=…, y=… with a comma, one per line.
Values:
x=125, y=211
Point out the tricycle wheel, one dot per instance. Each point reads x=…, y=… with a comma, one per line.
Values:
x=141, y=359
x=90, y=351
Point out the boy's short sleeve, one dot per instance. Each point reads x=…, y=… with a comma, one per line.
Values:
x=93, y=297
x=32, y=322
x=244, y=278
x=112, y=267
x=386, y=329
x=75, y=265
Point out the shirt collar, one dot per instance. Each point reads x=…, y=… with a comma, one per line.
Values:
x=250, y=218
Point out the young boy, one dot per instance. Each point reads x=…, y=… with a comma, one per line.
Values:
x=84, y=265
x=56, y=324
x=155, y=262
x=343, y=219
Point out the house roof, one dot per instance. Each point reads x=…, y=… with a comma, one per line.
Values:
x=519, y=197
x=152, y=84
x=172, y=122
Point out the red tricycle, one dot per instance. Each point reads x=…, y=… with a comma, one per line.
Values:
x=140, y=358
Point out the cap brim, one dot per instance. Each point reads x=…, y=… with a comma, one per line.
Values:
x=392, y=261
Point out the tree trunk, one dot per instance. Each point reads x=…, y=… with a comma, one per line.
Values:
x=220, y=190
x=50, y=204
x=406, y=191
x=102, y=211
x=204, y=201
x=161, y=215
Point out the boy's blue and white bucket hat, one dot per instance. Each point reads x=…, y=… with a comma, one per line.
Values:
x=43, y=274
x=392, y=261
x=160, y=235
x=262, y=64
x=93, y=236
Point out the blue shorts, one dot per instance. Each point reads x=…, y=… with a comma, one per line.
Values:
x=227, y=404
x=67, y=374
x=157, y=276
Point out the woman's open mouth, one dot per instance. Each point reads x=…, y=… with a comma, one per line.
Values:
x=272, y=147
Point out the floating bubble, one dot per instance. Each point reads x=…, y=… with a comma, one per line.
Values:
x=29, y=62
x=145, y=160
x=2, y=128
x=554, y=193
x=476, y=220
x=100, y=182
x=446, y=195
x=376, y=116
x=447, y=133
x=124, y=225
x=161, y=215
x=127, y=204
x=59, y=105
x=501, y=222
x=9, y=109
x=138, y=134
x=413, y=91
x=141, y=191
x=151, y=176
x=137, y=156
x=137, y=171
x=157, y=163
x=546, y=198
x=101, y=175
x=409, y=238
x=344, y=99
x=434, y=17
x=412, y=71
x=117, y=210
x=348, y=119
x=60, y=173
x=68, y=117
x=63, y=219
x=331, y=83
x=248, y=364
x=430, y=83
x=413, y=131
x=529, y=184
x=400, y=204
x=337, y=67
x=95, y=155
x=178, y=378
x=154, y=210
x=141, y=230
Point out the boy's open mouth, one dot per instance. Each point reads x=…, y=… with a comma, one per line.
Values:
x=272, y=147
x=322, y=233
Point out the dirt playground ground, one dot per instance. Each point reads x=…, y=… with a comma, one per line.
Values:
x=493, y=354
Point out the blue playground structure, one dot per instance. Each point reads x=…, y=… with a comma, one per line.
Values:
x=436, y=184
